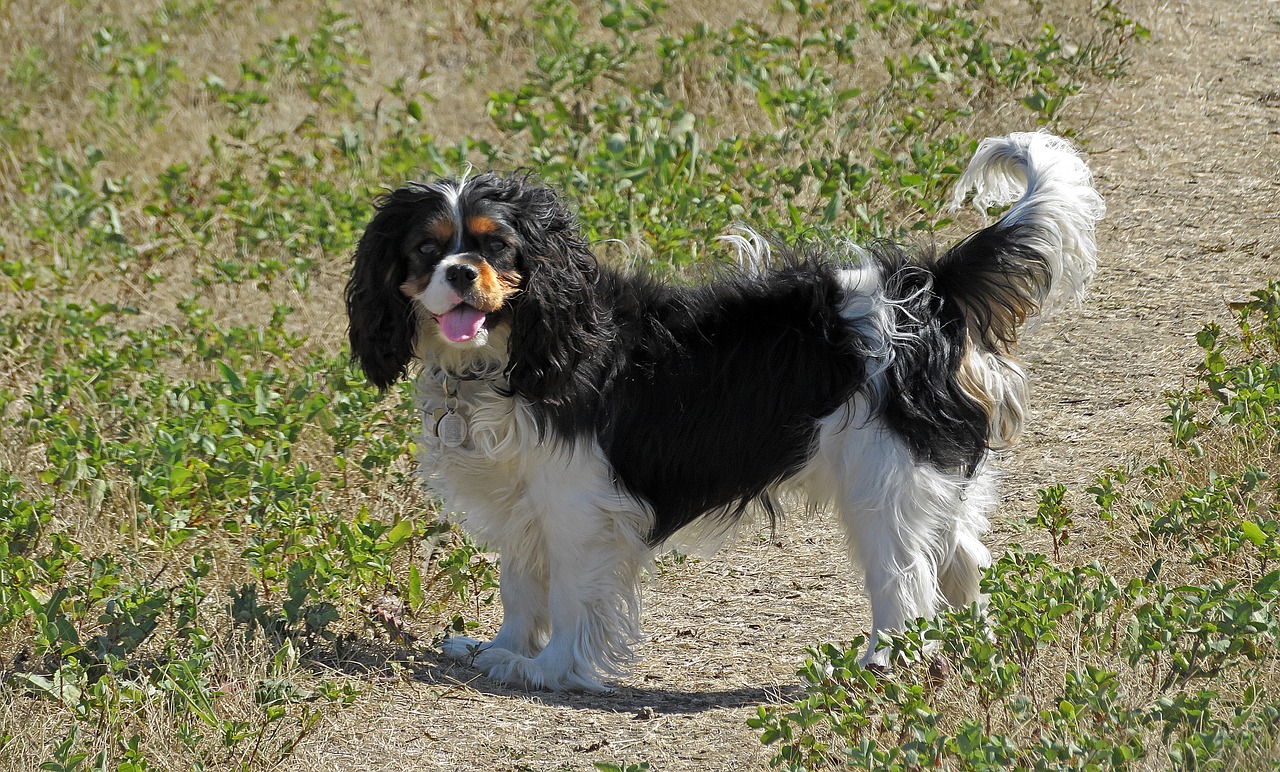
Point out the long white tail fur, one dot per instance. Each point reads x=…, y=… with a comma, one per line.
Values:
x=1050, y=186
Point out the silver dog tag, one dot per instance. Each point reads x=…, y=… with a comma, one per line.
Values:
x=451, y=428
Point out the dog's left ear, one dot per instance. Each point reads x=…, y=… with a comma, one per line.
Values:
x=381, y=316
x=558, y=326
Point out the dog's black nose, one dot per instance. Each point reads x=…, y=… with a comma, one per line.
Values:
x=461, y=276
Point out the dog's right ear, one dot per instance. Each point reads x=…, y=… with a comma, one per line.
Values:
x=382, y=318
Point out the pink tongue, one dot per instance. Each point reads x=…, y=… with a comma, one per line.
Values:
x=461, y=324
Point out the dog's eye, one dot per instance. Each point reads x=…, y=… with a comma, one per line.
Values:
x=496, y=244
x=428, y=248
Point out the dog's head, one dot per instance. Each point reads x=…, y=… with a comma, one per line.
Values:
x=444, y=265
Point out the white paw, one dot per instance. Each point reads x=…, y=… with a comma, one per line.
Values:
x=461, y=648
x=875, y=660
x=883, y=656
x=534, y=673
x=521, y=671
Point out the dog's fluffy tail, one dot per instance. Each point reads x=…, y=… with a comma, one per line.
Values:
x=1040, y=254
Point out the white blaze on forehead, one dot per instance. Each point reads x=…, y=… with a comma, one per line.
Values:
x=450, y=193
x=453, y=195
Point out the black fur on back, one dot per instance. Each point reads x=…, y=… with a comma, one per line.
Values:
x=720, y=388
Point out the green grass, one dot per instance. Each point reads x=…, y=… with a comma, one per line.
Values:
x=200, y=499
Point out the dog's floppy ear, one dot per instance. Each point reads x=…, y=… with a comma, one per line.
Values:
x=381, y=316
x=559, y=332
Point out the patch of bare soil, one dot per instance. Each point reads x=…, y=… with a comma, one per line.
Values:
x=1186, y=149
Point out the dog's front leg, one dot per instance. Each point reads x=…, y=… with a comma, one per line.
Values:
x=594, y=605
x=595, y=551
x=526, y=619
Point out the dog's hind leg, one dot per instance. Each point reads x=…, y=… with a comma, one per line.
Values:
x=965, y=556
x=910, y=528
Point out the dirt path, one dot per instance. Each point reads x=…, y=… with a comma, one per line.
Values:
x=1187, y=153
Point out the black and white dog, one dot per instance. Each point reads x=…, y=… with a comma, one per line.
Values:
x=577, y=417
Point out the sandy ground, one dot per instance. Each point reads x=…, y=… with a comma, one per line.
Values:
x=1186, y=150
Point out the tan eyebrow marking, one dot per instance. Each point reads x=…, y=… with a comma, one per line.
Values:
x=441, y=230
x=481, y=225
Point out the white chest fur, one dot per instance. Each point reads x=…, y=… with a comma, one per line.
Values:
x=475, y=448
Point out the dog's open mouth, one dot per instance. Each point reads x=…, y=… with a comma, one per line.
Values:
x=461, y=323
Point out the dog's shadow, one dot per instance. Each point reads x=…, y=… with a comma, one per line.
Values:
x=424, y=666
x=643, y=702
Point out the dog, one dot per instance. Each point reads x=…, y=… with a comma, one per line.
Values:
x=577, y=417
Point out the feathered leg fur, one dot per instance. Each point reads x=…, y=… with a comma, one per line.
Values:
x=575, y=573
